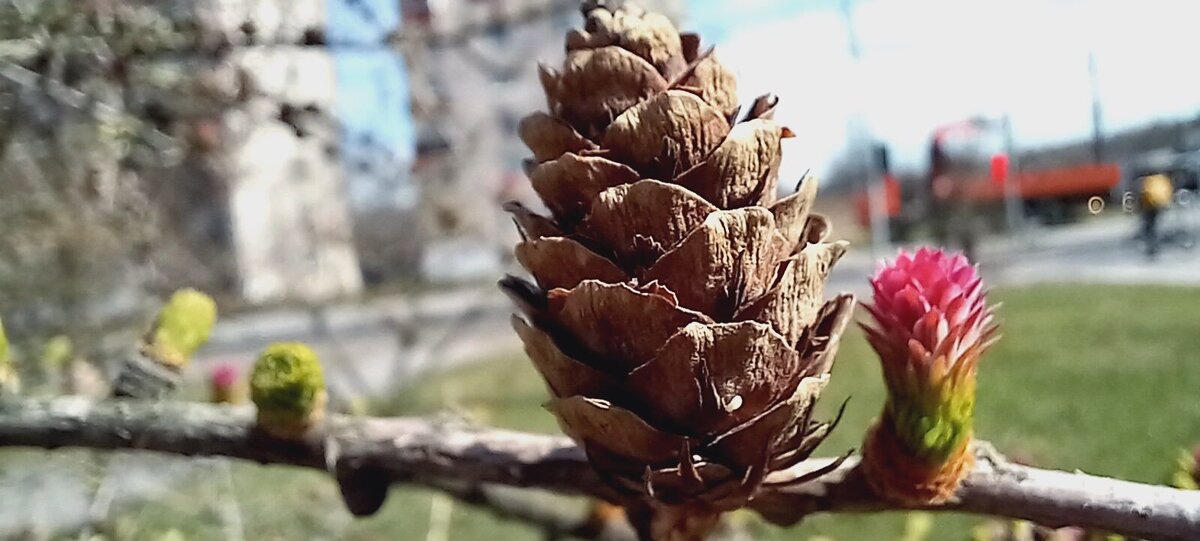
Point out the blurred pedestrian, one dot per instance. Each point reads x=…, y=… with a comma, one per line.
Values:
x=953, y=217
x=1155, y=194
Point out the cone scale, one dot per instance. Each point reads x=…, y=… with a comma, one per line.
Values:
x=677, y=308
x=930, y=323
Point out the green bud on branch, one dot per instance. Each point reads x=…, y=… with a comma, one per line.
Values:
x=182, y=326
x=288, y=388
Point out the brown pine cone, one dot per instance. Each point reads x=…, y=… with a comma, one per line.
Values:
x=678, y=315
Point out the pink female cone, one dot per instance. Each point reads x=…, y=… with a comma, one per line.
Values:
x=931, y=323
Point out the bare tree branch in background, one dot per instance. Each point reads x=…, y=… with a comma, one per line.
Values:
x=109, y=114
x=95, y=143
x=432, y=453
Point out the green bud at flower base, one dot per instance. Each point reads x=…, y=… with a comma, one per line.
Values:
x=182, y=326
x=288, y=388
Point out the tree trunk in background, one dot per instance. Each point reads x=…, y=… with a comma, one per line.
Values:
x=471, y=82
x=291, y=227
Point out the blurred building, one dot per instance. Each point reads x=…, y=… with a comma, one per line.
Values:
x=290, y=178
x=290, y=225
x=471, y=81
x=473, y=78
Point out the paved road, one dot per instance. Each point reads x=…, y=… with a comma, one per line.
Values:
x=1101, y=250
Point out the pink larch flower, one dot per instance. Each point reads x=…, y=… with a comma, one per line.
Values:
x=931, y=322
x=931, y=315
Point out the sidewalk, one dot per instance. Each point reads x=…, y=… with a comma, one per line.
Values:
x=349, y=317
x=1098, y=251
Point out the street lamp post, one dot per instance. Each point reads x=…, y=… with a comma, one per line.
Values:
x=1012, y=203
x=860, y=140
x=1097, y=111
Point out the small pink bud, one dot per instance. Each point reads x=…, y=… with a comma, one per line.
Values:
x=224, y=375
x=223, y=381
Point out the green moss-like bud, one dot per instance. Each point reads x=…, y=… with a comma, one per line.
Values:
x=288, y=388
x=183, y=325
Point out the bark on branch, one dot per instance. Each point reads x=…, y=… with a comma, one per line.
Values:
x=367, y=454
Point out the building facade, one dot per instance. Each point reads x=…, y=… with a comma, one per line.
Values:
x=290, y=222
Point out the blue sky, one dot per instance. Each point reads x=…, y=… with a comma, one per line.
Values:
x=372, y=98
x=925, y=62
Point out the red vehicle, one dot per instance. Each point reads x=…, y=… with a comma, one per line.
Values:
x=969, y=165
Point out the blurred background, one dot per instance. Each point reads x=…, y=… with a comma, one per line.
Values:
x=332, y=171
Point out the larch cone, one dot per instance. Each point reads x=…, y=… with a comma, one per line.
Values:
x=678, y=314
x=931, y=323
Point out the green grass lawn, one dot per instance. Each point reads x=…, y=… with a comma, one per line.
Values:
x=1101, y=379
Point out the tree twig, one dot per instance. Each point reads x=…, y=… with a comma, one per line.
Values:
x=1047, y=497
x=435, y=452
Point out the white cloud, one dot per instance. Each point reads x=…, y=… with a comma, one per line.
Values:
x=933, y=61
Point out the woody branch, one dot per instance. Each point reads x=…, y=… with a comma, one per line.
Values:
x=436, y=452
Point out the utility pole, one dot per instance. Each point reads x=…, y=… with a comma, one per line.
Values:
x=1097, y=112
x=860, y=140
x=1012, y=204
